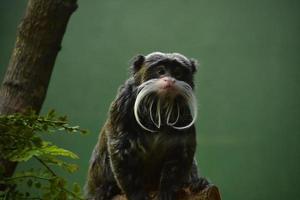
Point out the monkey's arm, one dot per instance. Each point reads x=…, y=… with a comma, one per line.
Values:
x=125, y=164
x=209, y=193
x=174, y=172
x=196, y=183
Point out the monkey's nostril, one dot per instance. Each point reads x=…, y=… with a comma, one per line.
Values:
x=168, y=79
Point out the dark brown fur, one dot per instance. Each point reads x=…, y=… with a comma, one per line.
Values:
x=128, y=159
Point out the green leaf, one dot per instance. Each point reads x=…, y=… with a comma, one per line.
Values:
x=2, y=170
x=70, y=167
x=25, y=154
x=76, y=188
x=51, y=114
x=29, y=183
x=63, y=118
x=36, y=174
x=20, y=141
x=38, y=185
x=56, y=151
x=45, y=127
x=66, y=166
x=62, y=195
x=27, y=194
x=84, y=131
x=61, y=182
x=37, y=141
x=47, y=149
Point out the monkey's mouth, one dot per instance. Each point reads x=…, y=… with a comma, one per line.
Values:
x=172, y=105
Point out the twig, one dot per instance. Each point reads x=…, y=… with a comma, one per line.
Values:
x=46, y=166
x=54, y=174
x=28, y=176
x=72, y=193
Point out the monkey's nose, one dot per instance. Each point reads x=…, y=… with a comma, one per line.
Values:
x=167, y=82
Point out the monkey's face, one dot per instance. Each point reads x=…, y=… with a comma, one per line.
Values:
x=165, y=94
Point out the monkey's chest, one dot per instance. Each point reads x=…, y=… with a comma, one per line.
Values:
x=155, y=147
x=154, y=151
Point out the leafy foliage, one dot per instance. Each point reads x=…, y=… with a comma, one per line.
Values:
x=21, y=141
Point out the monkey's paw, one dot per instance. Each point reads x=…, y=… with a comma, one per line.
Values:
x=166, y=195
x=198, y=185
x=138, y=196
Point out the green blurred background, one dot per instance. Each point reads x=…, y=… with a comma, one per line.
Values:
x=247, y=84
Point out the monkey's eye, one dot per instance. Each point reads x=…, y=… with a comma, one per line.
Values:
x=161, y=71
x=177, y=74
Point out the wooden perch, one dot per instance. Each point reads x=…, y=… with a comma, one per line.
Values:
x=209, y=193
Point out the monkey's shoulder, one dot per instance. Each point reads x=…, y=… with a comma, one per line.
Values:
x=121, y=109
x=126, y=90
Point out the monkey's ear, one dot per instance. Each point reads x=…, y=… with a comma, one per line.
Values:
x=137, y=63
x=194, y=65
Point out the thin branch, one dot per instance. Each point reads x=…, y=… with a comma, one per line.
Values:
x=32, y=198
x=46, y=166
x=72, y=193
x=52, y=121
x=54, y=174
x=28, y=176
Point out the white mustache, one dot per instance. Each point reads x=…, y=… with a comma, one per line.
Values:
x=144, y=94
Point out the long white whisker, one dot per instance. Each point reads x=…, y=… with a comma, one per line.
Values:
x=158, y=114
x=177, y=118
x=143, y=90
x=166, y=109
x=151, y=117
x=136, y=105
x=192, y=104
x=170, y=109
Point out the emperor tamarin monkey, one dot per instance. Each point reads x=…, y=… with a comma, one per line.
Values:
x=148, y=141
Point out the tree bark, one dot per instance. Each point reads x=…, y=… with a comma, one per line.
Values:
x=209, y=193
x=37, y=44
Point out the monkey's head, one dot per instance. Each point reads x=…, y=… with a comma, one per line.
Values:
x=165, y=94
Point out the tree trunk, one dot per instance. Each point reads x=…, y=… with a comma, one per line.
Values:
x=209, y=193
x=38, y=42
